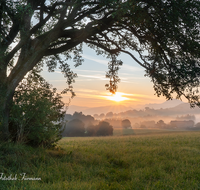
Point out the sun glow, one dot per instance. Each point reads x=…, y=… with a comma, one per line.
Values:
x=117, y=97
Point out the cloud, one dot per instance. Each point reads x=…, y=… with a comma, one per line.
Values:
x=87, y=95
x=131, y=68
x=101, y=61
x=101, y=77
x=90, y=71
x=105, y=62
x=88, y=90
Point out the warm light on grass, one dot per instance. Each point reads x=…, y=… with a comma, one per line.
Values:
x=143, y=160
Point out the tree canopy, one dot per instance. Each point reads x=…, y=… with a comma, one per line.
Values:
x=164, y=33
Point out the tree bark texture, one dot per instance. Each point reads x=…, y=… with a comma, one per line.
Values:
x=6, y=96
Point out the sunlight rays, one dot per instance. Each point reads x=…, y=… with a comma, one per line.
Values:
x=117, y=97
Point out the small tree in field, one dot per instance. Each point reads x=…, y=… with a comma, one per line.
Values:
x=91, y=130
x=104, y=129
x=126, y=123
x=161, y=124
x=74, y=128
x=36, y=113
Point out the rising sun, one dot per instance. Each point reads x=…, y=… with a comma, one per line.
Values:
x=117, y=97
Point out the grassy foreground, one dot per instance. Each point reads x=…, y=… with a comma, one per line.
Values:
x=156, y=161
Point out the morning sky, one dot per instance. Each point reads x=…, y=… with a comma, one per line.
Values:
x=89, y=87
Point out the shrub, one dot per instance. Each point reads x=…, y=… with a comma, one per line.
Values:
x=37, y=112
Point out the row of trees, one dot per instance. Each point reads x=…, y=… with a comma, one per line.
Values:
x=76, y=128
x=88, y=119
x=119, y=123
x=181, y=124
x=182, y=110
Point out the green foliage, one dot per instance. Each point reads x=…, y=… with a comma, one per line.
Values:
x=37, y=112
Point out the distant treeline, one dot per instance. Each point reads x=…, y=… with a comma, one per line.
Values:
x=147, y=118
x=181, y=109
x=76, y=128
x=175, y=124
x=79, y=124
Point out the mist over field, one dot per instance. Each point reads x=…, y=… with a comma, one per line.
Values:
x=170, y=114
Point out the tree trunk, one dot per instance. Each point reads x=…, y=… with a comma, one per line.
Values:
x=6, y=97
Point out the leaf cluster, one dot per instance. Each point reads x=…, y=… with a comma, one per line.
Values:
x=37, y=112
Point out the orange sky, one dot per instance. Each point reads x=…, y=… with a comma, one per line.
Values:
x=90, y=84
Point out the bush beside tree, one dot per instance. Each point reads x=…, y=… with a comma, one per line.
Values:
x=36, y=113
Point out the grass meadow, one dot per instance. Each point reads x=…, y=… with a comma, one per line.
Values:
x=131, y=159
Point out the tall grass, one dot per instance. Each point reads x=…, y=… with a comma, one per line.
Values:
x=156, y=161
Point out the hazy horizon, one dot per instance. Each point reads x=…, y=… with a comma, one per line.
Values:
x=120, y=107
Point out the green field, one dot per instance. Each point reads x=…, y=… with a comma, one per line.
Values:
x=139, y=131
x=149, y=159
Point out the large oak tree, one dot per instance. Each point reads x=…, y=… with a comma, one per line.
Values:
x=164, y=33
